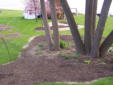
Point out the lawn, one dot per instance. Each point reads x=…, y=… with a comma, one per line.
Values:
x=81, y=18
x=105, y=81
x=26, y=28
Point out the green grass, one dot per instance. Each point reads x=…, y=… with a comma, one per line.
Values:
x=81, y=18
x=53, y=84
x=108, y=27
x=16, y=20
x=105, y=81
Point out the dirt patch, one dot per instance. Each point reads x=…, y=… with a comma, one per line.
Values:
x=64, y=22
x=61, y=25
x=38, y=64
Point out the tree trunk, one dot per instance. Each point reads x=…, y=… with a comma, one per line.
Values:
x=89, y=30
x=100, y=28
x=106, y=44
x=94, y=19
x=90, y=24
x=46, y=25
x=73, y=27
x=54, y=25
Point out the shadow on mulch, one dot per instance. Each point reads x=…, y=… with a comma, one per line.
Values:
x=38, y=64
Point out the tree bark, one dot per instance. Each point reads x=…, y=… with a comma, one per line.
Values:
x=100, y=28
x=89, y=30
x=106, y=44
x=46, y=25
x=54, y=25
x=73, y=27
x=94, y=19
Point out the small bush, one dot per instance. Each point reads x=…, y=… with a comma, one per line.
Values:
x=112, y=45
x=63, y=44
x=59, y=54
x=87, y=61
x=101, y=42
x=40, y=44
x=110, y=50
x=66, y=57
x=76, y=56
x=102, y=63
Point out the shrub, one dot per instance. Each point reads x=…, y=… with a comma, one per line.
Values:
x=102, y=63
x=40, y=44
x=110, y=50
x=63, y=44
x=112, y=45
x=87, y=61
x=59, y=54
x=66, y=57
x=76, y=56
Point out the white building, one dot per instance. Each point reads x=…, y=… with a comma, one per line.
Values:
x=79, y=4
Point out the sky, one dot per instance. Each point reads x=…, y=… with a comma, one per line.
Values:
x=79, y=4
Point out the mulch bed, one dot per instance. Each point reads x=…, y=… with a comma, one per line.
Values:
x=49, y=66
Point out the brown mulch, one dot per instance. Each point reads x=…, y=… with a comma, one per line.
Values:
x=42, y=28
x=49, y=66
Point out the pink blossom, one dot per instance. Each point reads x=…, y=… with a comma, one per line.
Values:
x=31, y=6
x=5, y=28
x=11, y=34
x=14, y=35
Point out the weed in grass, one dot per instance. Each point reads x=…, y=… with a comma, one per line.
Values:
x=87, y=61
x=67, y=57
x=76, y=56
x=63, y=44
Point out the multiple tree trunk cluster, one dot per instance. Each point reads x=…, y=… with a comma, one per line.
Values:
x=53, y=41
x=93, y=34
